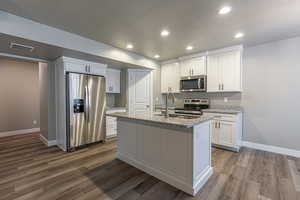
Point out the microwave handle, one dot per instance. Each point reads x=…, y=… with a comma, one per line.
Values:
x=199, y=83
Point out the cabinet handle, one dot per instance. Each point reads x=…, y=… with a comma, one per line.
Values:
x=86, y=68
x=222, y=86
x=219, y=86
x=192, y=71
x=219, y=124
x=89, y=68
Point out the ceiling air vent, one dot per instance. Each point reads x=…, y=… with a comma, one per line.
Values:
x=21, y=47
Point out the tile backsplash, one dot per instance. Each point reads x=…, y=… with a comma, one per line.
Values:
x=110, y=100
x=230, y=100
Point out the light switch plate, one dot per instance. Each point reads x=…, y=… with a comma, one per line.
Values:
x=225, y=99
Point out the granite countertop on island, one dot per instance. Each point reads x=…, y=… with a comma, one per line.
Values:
x=186, y=123
x=222, y=111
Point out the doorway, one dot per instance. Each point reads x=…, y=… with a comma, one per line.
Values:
x=140, y=91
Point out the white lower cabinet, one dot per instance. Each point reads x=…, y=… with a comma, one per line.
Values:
x=111, y=123
x=227, y=130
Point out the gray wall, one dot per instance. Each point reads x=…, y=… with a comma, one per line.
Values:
x=19, y=94
x=271, y=93
x=43, y=85
x=47, y=100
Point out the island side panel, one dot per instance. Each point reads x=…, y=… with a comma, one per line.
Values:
x=202, y=168
x=162, y=151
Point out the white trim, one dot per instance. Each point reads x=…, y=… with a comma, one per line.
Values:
x=227, y=49
x=204, y=53
x=270, y=148
x=196, y=55
x=24, y=58
x=170, y=61
x=46, y=142
x=19, y=132
x=166, y=177
x=139, y=70
x=205, y=175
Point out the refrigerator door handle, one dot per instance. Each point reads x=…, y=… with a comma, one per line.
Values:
x=86, y=99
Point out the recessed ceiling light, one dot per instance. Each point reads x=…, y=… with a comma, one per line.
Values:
x=239, y=35
x=164, y=33
x=129, y=46
x=224, y=10
x=157, y=56
x=189, y=48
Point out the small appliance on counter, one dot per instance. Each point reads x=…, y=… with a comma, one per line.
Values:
x=193, y=107
x=193, y=84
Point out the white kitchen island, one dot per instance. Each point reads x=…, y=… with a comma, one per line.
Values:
x=174, y=150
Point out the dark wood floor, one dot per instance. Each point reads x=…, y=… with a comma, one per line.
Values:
x=30, y=170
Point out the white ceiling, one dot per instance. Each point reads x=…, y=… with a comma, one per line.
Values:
x=191, y=22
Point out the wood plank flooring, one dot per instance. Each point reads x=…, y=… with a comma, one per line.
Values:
x=30, y=170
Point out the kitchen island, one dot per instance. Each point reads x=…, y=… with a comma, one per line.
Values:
x=175, y=150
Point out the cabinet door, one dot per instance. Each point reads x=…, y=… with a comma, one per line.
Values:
x=198, y=66
x=185, y=68
x=113, y=81
x=170, y=78
x=215, y=132
x=111, y=126
x=117, y=81
x=213, y=74
x=227, y=133
x=165, y=78
x=175, y=77
x=97, y=69
x=230, y=64
x=76, y=67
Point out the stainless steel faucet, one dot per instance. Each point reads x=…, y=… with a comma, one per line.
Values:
x=166, y=104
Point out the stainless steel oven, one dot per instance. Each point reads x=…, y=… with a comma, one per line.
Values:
x=193, y=84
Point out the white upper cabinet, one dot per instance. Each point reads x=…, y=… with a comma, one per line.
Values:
x=193, y=66
x=224, y=72
x=170, y=77
x=113, y=81
x=82, y=66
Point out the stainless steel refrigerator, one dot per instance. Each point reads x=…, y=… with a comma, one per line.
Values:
x=86, y=103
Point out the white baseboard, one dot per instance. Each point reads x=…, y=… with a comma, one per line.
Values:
x=274, y=149
x=47, y=142
x=19, y=132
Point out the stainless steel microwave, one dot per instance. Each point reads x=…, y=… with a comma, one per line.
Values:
x=193, y=84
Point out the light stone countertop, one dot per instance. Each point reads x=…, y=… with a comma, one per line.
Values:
x=186, y=123
x=112, y=109
x=222, y=111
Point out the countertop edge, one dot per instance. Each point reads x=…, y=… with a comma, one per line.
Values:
x=163, y=123
x=223, y=112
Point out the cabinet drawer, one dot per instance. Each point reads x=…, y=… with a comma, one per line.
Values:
x=222, y=117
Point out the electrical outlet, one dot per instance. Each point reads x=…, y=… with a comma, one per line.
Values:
x=225, y=99
x=34, y=122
